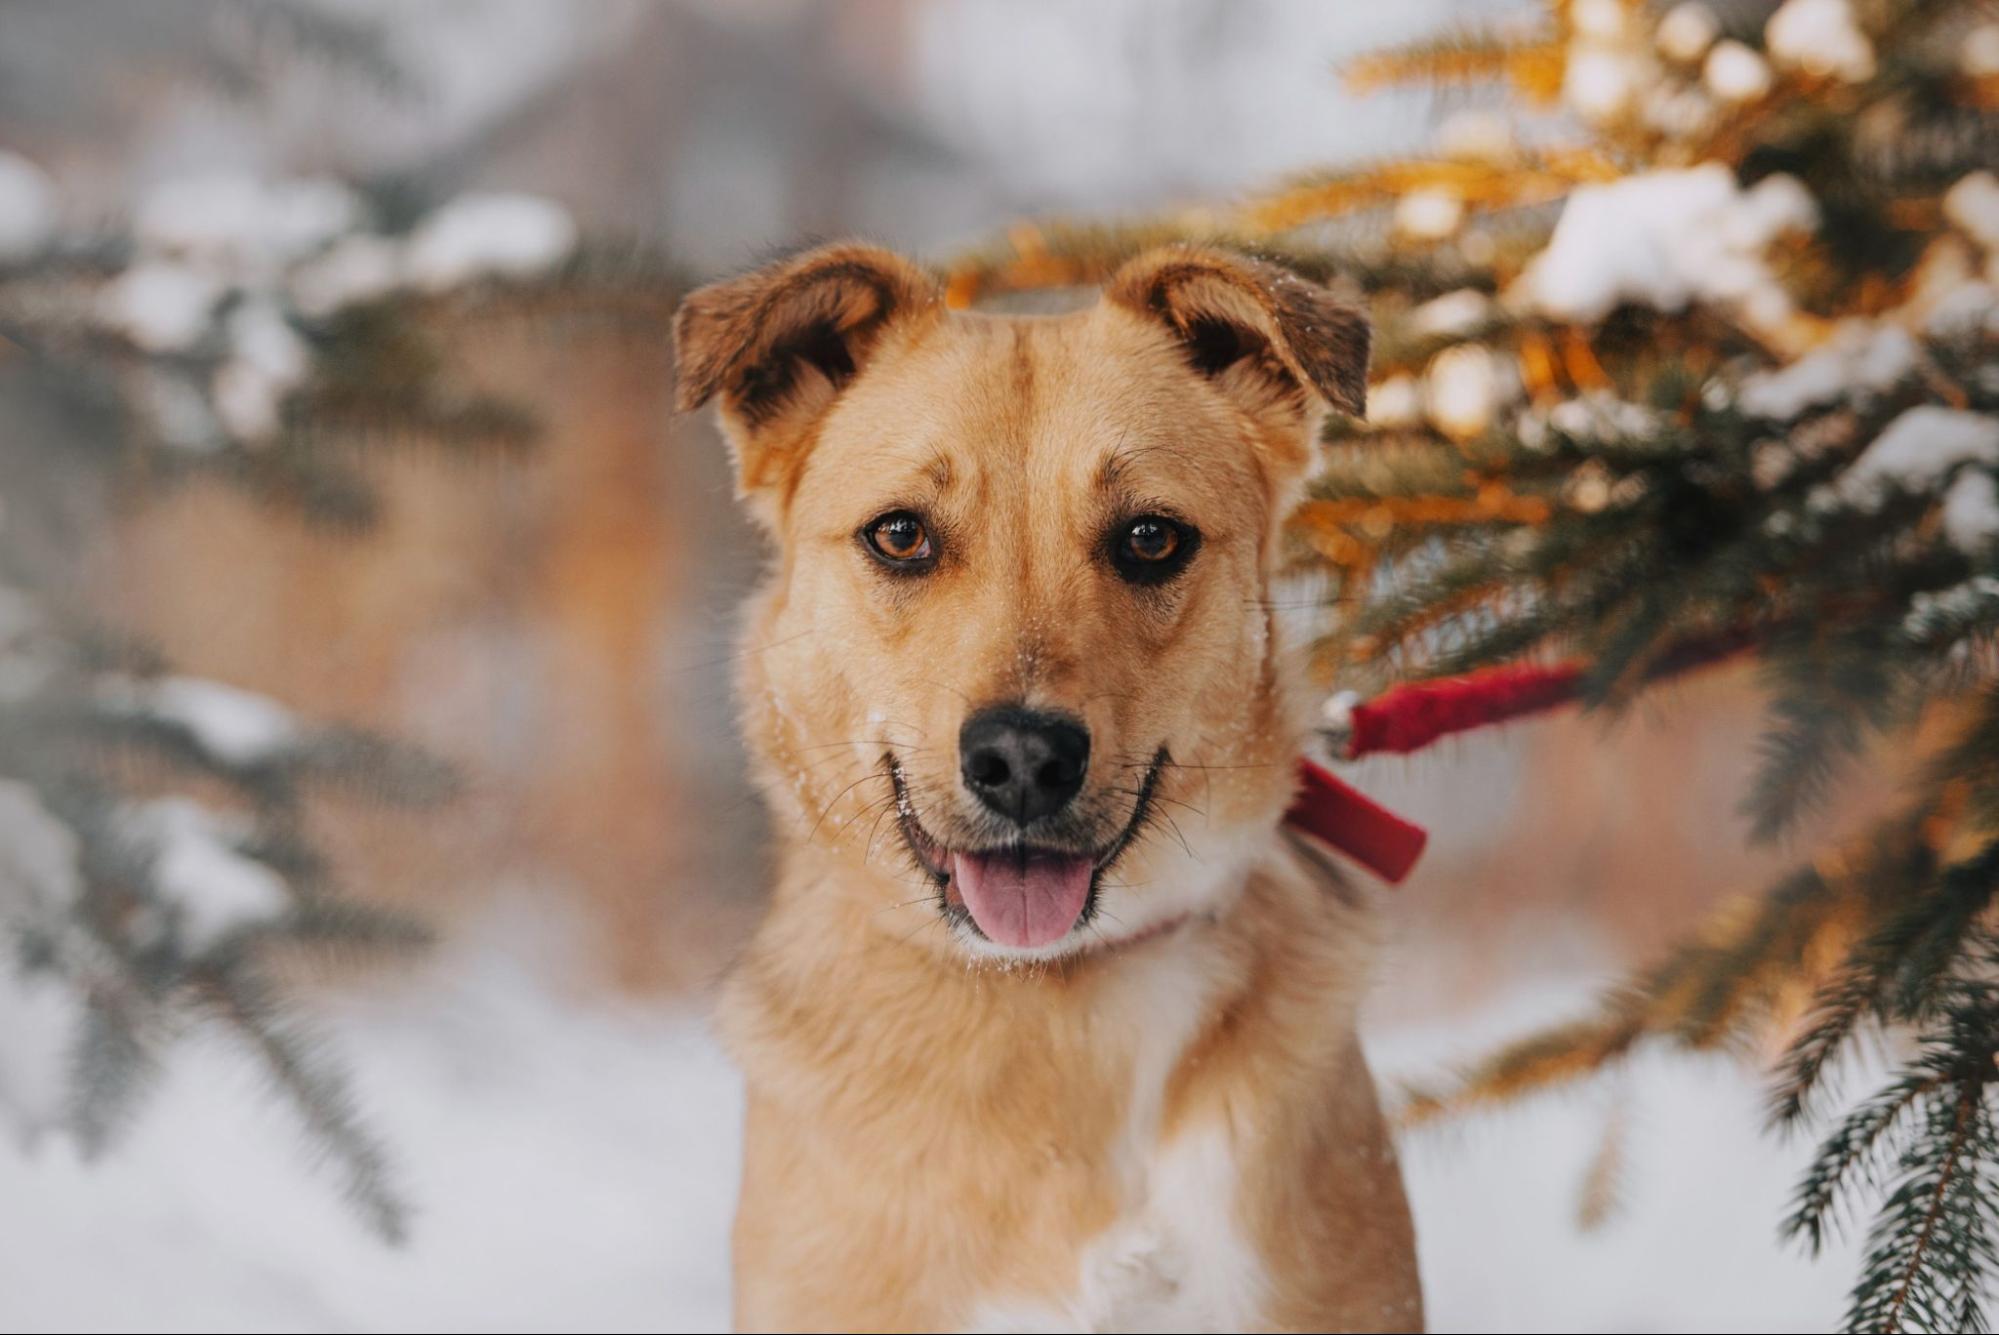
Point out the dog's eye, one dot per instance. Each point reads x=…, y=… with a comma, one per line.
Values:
x=901, y=540
x=1152, y=548
x=1151, y=540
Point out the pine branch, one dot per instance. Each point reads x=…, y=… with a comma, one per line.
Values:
x=1847, y=1160
x=321, y=1094
x=1895, y=973
x=111, y=1070
x=1462, y=55
x=1825, y=703
x=1931, y=1245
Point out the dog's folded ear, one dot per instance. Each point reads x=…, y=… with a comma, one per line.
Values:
x=1261, y=332
x=776, y=346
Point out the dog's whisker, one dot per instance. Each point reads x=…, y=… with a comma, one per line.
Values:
x=864, y=812
x=874, y=831
x=1161, y=797
x=876, y=838
x=809, y=834
x=1188, y=764
x=1185, y=805
x=857, y=741
x=905, y=904
x=1174, y=826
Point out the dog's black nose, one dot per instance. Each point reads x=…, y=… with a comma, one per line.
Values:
x=1021, y=763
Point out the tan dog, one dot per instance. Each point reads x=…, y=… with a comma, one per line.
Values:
x=1047, y=1028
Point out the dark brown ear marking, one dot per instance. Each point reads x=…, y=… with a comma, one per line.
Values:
x=1229, y=310
x=751, y=339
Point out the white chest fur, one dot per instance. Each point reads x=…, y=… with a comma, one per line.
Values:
x=1177, y=1259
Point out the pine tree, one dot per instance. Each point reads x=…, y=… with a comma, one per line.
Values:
x=1689, y=352
x=156, y=860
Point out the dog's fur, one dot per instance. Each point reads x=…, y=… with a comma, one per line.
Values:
x=1162, y=1120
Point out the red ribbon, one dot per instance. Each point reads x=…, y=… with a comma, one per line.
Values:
x=1409, y=717
x=1339, y=814
x=1404, y=719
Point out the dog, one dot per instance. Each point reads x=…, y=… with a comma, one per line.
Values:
x=1047, y=1026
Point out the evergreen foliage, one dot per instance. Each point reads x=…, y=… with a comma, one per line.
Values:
x=157, y=863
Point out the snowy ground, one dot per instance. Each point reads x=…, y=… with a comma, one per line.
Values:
x=574, y=1160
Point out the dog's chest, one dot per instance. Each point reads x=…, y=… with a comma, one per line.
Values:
x=1177, y=1261
x=1177, y=1257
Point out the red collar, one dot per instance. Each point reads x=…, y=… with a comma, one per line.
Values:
x=1338, y=814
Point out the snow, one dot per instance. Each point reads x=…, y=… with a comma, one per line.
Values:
x=573, y=1159
x=211, y=888
x=247, y=401
x=27, y=208
x=38, y=867
x=1973, y=204
x=1929, y=613
x=1979, y=55
x=1600, y=81
x=1602, y=20
x=1776, y=204
x=1687, y=31
x=260, y=335
x=39, y=880
x=1971, y=511
x=1860, y=357
x=161, y=305
x=354, y=269
x=233, y=725
x=1463, y=388
x=1665, y=239
x=1735, y=73
x=297, y=243
x=1453, y=315
x=1690, y=1243
x=270, y=360
x=1820, y=37
x=1966, y=308
x=1600, y=415
x=1917, y=451
x=238, y=223
x=1395, y=402
x=473, y=236
x=42, y=1017
x=1678, y=110
x=1430, y=214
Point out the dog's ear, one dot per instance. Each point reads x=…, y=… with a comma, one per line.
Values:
x=1266, y=336
x=778, y=345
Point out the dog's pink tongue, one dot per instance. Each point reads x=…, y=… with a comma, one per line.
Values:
x=1030, y=900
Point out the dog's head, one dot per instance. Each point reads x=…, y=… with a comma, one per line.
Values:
x=1019, y=635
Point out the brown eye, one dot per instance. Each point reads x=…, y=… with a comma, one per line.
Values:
x=1151, y=540
x=1152, y=548
x=901, y=540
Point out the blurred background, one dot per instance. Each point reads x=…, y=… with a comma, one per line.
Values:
x=553, y=619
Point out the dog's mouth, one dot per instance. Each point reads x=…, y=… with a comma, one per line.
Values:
x=1020, y=895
